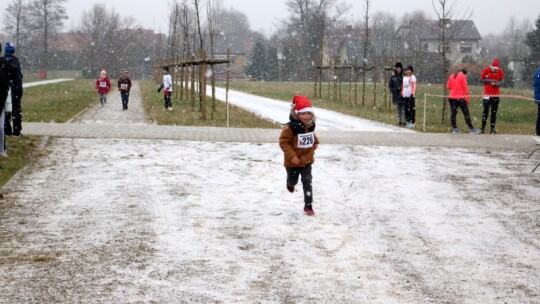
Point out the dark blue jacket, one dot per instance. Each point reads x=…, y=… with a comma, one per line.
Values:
x=536, y=86
x=17, y=76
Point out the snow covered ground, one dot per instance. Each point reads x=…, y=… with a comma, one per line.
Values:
x=157, y=221
x=42, y=82
x=278, y=111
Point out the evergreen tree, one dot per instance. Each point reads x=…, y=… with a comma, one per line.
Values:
x=258, y=67
x=272, y=64
x=533, y=42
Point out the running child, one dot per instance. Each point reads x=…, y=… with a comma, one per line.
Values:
x=124, y=85
x=103, y=85
x=298, y=143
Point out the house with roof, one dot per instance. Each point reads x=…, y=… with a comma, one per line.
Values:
x=461, y=36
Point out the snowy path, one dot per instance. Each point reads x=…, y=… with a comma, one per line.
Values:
x=38, y=83
x=164, y=221
x=278, y=111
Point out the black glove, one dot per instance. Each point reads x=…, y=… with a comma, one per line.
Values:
x=158, y=90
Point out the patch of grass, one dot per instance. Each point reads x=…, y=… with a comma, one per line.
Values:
x=515, y=116
x=185, y=114
x=58, y=102
x=21, y=151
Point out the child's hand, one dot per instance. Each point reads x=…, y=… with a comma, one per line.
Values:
x=295, y=160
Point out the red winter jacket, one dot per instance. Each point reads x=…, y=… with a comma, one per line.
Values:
x=491, y=79
x=457, y=84
x=103, y=85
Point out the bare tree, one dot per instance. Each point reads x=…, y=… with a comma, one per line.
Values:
x=199, y=30
x=366, y=46
x=446, y=11
x=210, y=14
x=16, y=22
x=305, y=30
x=46, y=18
x=174, y=20
x=514, y=35
x=112, y=42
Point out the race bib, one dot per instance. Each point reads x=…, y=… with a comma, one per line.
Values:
x=102, y=84
x=123, y=86
x=306, y=140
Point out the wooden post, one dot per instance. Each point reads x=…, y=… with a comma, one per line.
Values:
x=355, y=84
x=330, y=79
x=385, y=88
x=374, y=91
x=315, y=81
x=192, y=84
x=227, y=86
x=182, y=79
x=350, y=85
x=320, y=81
x=340, y=71
x=202, y=100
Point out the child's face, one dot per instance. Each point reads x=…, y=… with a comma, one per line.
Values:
x=305, y=117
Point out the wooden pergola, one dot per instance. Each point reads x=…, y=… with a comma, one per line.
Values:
x=189, y=78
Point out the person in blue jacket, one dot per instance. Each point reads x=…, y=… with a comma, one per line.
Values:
x=536, y=88
x=16, y=85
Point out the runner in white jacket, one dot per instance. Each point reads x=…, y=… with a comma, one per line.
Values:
x=167, y=86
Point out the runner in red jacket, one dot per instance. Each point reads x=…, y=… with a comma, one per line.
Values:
x=459, y=98
x=103, y=85
x=491, y=77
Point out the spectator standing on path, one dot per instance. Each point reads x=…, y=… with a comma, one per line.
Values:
x=395, y=84
x=124, y=85
x=298, y=143
x=166, y=85
x=536, y=88
x=4, y=92
x=459, y=98
x=491, y=77
x=103, y=85
x=16, y=85
x=408, y=90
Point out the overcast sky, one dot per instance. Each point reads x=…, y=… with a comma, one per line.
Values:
x=490, y=16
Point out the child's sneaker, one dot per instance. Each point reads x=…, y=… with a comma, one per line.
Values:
x=537, y=138
x=456, y=131
x=290, y=188
x=308, y=209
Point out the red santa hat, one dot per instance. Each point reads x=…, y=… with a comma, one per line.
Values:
x=495, y=65
x=103, y=71
x=302, y=104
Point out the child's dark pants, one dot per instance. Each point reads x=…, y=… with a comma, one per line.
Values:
x=305, y=173
x=125, y=99
x=167, y=99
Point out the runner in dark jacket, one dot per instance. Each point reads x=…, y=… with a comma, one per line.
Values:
x=395, y=84
x=16, y=84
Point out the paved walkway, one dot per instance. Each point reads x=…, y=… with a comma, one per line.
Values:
x=104, y=123
x=140, y=131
